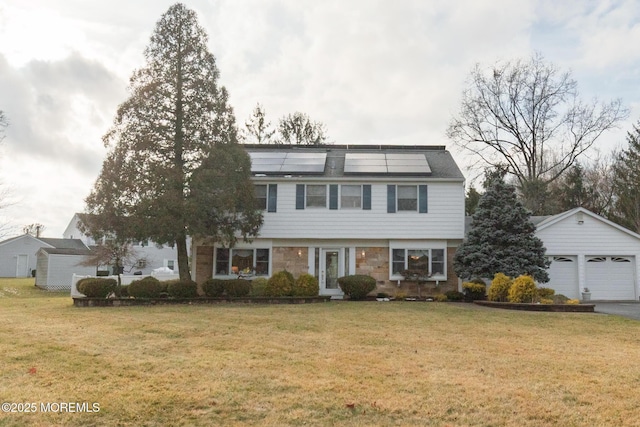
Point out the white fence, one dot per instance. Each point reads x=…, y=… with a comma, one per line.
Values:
x=125, y=280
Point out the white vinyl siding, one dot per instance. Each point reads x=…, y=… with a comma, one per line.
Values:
x=445, y=219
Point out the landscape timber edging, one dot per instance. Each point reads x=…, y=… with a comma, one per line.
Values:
x=127, y=302
x=558, y=308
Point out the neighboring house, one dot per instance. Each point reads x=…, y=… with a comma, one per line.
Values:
x=18, y=255
x=151, y=256
x=589, y=251
x=337, y=210
x=58, y=262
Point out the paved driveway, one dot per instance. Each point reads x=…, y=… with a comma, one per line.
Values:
x=626, y=309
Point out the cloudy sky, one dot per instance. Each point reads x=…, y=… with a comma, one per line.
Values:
x=374, y=71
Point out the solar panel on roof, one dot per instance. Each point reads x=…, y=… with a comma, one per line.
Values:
x=283, y=162
x=395, y=163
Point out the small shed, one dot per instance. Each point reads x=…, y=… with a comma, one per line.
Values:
x=18, y=255
x=55, y=267
x=589, y=251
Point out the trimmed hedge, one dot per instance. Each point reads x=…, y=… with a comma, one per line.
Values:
x=306, y=286
x=96, y=287
x=454, y=295
x=474, y=291
x=149, y=287
x=213, y=288
x=357, y=286
x=182, y=288
x=258, y=287
x=236, y=288
x=280, y=284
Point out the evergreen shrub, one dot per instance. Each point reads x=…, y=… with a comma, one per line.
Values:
x=499, y=288
x=96, y=287
x=474, y=291
x=280, y=284
x=213, y=288
x=124, y=291
x=149, y=287
x=440, y=298
x=182, y=288
x=306, y=286
x=237, y=288
x=523, y=289
x=258, y=287
x=454, y=295
x=357, y=286
x=546, y=293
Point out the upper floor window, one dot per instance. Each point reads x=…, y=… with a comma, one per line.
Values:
x=316, y=196
x=407, y=198
x=339, y=196
x=266, y=196
x=351, y=196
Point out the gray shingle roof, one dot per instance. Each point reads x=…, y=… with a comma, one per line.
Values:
x=442, y=164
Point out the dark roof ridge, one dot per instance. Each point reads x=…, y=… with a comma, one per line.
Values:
x=345, y=147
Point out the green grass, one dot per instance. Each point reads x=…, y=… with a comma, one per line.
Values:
x=339, y=363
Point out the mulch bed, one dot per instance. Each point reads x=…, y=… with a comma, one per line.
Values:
x=126, y=302
x=565, y=308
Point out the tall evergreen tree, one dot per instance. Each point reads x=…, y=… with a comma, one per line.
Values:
x=176, y=124
x=626, y=183
x=502, y=238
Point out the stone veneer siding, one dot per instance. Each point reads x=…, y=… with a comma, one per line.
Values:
x=288, y=259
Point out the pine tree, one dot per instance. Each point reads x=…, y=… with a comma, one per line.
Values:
x=626, y=183
x=502, y=238
x=176, y=125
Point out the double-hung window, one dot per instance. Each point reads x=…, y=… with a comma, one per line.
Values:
x=407, y=198
x=316, y=196
x=431, y=261
x=266, y=197
x=350, y=196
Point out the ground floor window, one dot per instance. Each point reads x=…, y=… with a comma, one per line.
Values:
x=430, y=260
x=238, y=261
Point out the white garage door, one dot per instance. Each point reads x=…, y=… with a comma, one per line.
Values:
x=611, y=278
x=563, y=276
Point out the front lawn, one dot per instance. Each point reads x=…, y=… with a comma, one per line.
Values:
x=339, y=363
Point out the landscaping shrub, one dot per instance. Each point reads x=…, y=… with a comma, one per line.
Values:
x=440, y=298
x=560, y=299
x=280, y=284
x=523, y=289
x=124, y=291
x=149, y=287
x=546, y=301
x=545, y=293
x=213, y=288
x=306, y=286
x=454, y=295
x=236, y=288
x=258, y=287
x=182, y=288
x=357, y=286
x=499, y=288
x=96, y=287
x=474, y=291
x=572, y=301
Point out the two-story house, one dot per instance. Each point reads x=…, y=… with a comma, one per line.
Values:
x=336, y=210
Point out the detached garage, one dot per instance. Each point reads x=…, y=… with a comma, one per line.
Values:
x=589, y=251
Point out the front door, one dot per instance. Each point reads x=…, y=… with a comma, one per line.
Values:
x=330, y=270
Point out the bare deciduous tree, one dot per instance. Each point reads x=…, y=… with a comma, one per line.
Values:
x=528, y=116
x=257, y=129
